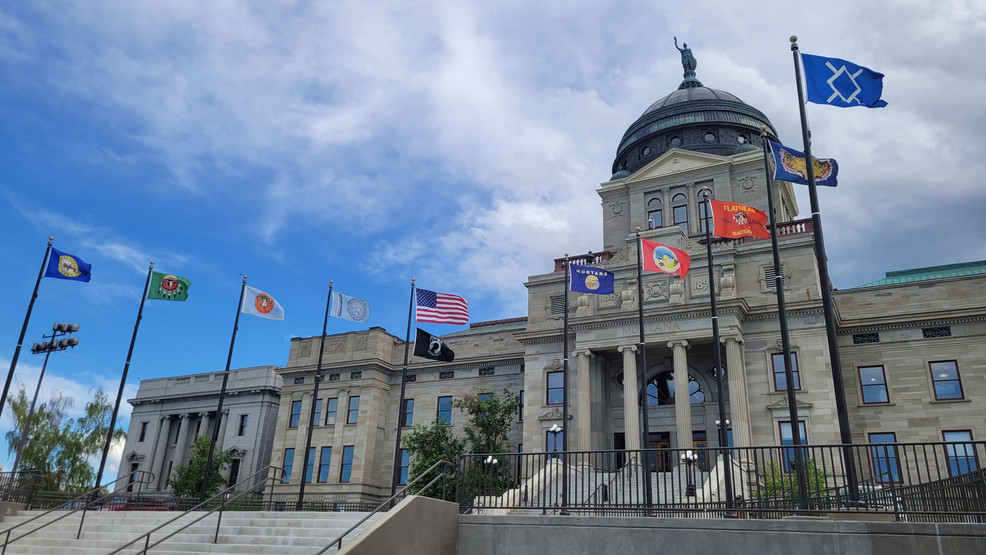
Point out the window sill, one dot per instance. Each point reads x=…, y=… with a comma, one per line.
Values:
x=947, y=401
x=864, y=405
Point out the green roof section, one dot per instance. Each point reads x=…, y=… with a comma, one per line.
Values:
x=930, y=273
x=510, y=324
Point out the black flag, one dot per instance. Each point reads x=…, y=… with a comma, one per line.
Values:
x=428, y=346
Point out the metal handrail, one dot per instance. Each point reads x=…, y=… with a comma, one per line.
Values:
x=15, y=486
x=221, y=496
x=445, y=464
x=619, y=474
x=132, y=476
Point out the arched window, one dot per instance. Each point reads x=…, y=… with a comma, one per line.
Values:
x=655, y=216
x=660, y=390
x=679, y=208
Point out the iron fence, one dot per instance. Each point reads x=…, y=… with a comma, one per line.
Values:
x=930, y=482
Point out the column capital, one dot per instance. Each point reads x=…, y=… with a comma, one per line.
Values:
x=724, y=339
x=624, y=348
x=583, y=353
x=183, y=416
x=165, y=417
x=679, y=342
x=203, y=414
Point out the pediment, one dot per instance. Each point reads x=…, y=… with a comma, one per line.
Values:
x=782, y=405
x=676, y=161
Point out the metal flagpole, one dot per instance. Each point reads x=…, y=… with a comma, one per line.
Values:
x=400, y=404
x=826, y=286
x=222, y=395
x=642, y=374
x=792, y=400
x=564, y=396
x=123, y=381
x=723, y=431
x=27, y=318
x=311, y=412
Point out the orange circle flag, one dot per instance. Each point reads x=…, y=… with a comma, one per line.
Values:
x=733, y=220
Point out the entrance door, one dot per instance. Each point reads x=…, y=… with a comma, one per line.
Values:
x=661, y=441
x=699, y=442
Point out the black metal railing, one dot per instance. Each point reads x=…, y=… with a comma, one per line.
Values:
x=934, y=482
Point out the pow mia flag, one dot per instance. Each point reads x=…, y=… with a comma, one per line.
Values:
x=428, y=346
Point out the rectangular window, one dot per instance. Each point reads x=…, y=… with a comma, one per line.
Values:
x=482, y=397
x=961, y=457
x=702, y=214
x=886, y=467
x=288, y=465
x=407, y=415
x=318, y=411
x=787, y=438
x=520, y=408
x=310, y=466
x=241, y=427
x=323, y=464
x=295, y=414
x=346, y=471
x=873, y=385
x=405, y=460
x=143, y=431
x=945, y=376
x=353, y=415
x=780, y=377
x=330, y=411
x=444, y=413
x=555, y=388
x=553, y=443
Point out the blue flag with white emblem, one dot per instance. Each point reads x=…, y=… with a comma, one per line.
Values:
x=63, y=265
x=349, y=308
x=840, y=83
x=586, y=279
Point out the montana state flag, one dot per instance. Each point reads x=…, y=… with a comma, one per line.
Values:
x=735, y=221
x=789, y=165
x=429, y=346
x=591, y=280
x=168, y=287
x=664, y=259
x=63, y=265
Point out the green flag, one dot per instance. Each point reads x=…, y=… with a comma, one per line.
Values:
x=168, y=287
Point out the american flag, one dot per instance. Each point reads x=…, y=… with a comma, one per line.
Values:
x=441, y=308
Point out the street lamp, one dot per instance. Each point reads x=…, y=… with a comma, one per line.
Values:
x=491, y=463
x=689, y=458
x=554, y=430
x=46, y=347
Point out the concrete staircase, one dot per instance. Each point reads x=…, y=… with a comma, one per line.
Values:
x=244, y=532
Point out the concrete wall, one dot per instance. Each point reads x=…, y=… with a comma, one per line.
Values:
x=548, y=535
x=417, y=525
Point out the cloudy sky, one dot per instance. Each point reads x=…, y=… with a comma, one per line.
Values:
x=459, y=143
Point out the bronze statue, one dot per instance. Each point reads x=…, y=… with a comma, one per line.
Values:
x=688, y=61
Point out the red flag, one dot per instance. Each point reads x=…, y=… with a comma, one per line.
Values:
x=734, y=221
x=662, y=258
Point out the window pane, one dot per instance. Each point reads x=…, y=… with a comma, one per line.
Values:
x=408, y=413
x=555, y=388
x=353, y=415
x=961, y=456
x=885, y=465
x=681, y=217
x=310, y=465
x=295, y=414
x=323, y=464
x=787, y=438
x=318, y=411
x=346, y=471
x=330, y=411
x=945, y=376
x=655, y=219
x=780, y=377
x=444, y=410
x=288, y=464
x=405, y=458
x=873, y=384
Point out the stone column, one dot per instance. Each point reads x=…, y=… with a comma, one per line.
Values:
x=631, y=412
x=160, y=448
x=583, y=412
x=222, y=429
x=204, y=428
x=682, y=401
x=739, y=403
x=184, y=424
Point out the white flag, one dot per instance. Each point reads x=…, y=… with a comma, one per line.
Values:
x=261, y=304
x=349, y=308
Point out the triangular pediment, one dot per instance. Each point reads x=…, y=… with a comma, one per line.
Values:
x=676, y=161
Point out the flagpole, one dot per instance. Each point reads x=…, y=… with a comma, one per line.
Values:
x=792, y=400
x=564, y=395
x=400, y=403
x=311, y=412
x=826, y=285
x=222, y=395
x=123, y=381
x=27, y=319
x=642, y=374
x=723, y=428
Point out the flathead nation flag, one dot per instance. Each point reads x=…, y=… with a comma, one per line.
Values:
x=349, y=308
x=168, y=287
x=63, y=265
x=840, y=83
x=429, y=346
x=586, y=279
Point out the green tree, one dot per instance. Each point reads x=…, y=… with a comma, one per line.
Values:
x=490, y=418
x=57, y=446
x=186, y=479
x=783, y=484
x=427, y=445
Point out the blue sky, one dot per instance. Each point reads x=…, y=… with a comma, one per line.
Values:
x=459, y=143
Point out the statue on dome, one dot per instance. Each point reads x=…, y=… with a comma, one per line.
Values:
x=688, y=61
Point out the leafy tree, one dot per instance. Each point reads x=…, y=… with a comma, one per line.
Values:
x=427, y=445
x=490, y=419
x=781, y=483
x=186, y=479
x=57, y=446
